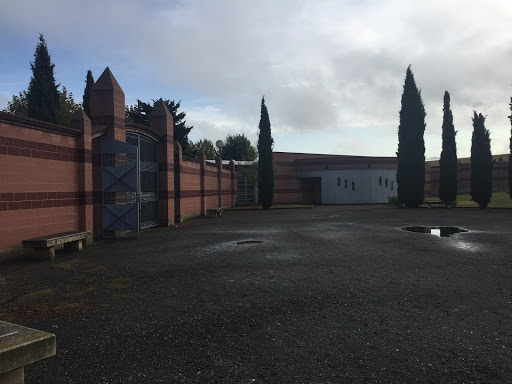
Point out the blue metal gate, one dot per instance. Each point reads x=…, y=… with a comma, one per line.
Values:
x=120, y=196
x=148, y=178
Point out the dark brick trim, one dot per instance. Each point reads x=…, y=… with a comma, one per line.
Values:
x=12, y=201
x=287, y=191
x=26, y=122
x=25, y=148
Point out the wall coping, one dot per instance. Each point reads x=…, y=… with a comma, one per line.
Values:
x=39, y=125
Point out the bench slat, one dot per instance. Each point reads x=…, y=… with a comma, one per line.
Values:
x=53, y=240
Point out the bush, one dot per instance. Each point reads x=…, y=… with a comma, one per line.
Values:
x=393, y=200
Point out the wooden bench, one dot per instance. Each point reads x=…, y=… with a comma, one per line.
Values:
x=44, y=247
x=214, y=212
x=447, y=204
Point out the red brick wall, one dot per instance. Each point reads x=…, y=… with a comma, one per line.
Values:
x=287, y=188
x=499, y=176
x=211, y=186
x=227, y=190
x=190, y=191
x=39, y=179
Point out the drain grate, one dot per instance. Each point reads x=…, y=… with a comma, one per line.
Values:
x=436, y=231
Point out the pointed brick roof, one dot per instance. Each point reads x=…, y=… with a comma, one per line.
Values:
x=107, y=81
x=160, y=109
x=80, y=115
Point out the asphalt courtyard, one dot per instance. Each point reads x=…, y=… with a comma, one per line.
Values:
x=333, y=294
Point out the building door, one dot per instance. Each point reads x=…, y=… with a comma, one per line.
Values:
x=148, y=178
x=311, y=191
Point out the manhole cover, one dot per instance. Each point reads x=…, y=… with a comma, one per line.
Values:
x=249, y=242
x=436, y=231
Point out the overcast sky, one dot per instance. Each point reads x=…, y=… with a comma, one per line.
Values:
x=332, y=72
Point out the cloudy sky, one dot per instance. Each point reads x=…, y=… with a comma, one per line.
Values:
x=332, y=72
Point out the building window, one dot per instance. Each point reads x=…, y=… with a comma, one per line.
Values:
x=380, y=181
x=339, y=181
x=386, y=183
x=346, y=184
x=391, y=184
x=353, y=185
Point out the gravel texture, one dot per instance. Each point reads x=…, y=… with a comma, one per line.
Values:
x=333, y=294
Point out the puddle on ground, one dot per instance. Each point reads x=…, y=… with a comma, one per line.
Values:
x=243, y=242
x=436, y=231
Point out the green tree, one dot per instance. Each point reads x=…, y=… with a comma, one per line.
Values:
x=180, y=129
x=481, y=162
x=510, y=156
x=43, y=96
x=448, y=161
x=410, y=175
x=86, y=100
x=67, y=107
x=18, y=104
x=238, y=147
x=265, y=166
x=205, y=146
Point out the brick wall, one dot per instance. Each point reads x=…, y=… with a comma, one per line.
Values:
x=45, y=178
x=499, y=176
x=197, y=188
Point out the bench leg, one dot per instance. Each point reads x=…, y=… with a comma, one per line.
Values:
x=15, y=376
x=45, y=253
x=74, y=246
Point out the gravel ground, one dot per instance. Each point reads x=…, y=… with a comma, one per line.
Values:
x=334, y=294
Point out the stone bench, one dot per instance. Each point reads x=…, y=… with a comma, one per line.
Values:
x=44, y=247
x=447, y=204
x=20, y=346
x=214, y=212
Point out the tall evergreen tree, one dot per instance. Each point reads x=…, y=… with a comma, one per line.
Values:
x=510, y=156
x=410, y=175
x=180, y=130
x=481, y=162
x=67, y=106
x=43, y=96
x=448, y=161
x=86, y=101
x=265, y=165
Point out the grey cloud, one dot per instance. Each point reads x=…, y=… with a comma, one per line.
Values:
x=329, y=66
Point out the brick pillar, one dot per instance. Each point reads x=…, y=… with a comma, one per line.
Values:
x=178, y=161
x=161, y=121
x=202, y=159
x=107, y=106
x=218, y=161
x=233, y=182
x=81, y=121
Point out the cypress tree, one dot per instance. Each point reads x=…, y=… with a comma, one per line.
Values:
x=265, y=166
x=510, y=156
x=43, y=96
x=86, y=103
x=410, y=175
x=481, y=162
x=448, y=161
